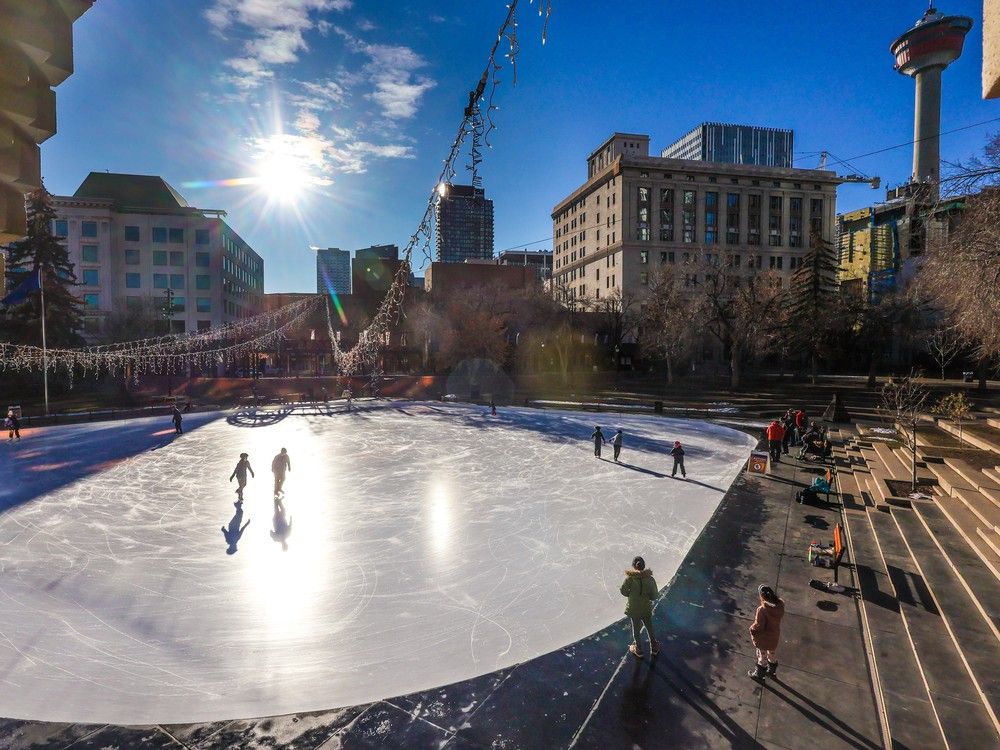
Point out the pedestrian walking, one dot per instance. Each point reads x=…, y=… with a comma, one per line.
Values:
x=13, y=425
x=678, y=454
x=788, y=422
x=599, y=440
x=178, y=419
x=775, y=434
x=765, y=632
x=280, y=464
x=240, y=472
x=616, y=443
x=640, y=588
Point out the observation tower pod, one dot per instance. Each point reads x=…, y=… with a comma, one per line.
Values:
x=922, y=52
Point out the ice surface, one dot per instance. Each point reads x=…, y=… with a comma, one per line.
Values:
x=426, y=543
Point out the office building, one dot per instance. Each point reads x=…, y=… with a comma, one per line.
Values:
x=445, y=278
x=333, y=271
x=372, y=274
x=734, y=144
x=464, y=219
x=385, y=252
x=133, y=237
x=36, y=55
x=540, y=260
x=637, y=213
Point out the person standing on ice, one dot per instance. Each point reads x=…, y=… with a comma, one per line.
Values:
x=640, y=588
x=13, y=425
x=599, y=440
x=678, y=454
x=280, y=464
x=177, y=421
x=616, y=443
x=240, y=472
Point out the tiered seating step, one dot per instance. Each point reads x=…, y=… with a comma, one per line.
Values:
x=966, y=524
x=974, y=433
x=939, y=660
x=893, y=466
x=975, y=639
x=949, y=479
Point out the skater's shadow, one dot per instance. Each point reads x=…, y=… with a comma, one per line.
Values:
x=235, y=531
x=633, y=467
x=282, y=524
x=700, y=484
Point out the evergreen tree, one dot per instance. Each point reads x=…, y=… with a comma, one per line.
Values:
x=813, y=301
x=40, y=249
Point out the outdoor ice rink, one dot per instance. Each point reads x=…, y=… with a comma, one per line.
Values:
x=420, y=544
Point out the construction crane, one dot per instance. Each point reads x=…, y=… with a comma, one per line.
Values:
x=875, y=182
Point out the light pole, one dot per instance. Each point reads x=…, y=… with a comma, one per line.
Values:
x=168, y=313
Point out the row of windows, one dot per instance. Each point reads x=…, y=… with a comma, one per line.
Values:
x=241, y=255
x=775, y=262
x=167, y=281
x=60, y=228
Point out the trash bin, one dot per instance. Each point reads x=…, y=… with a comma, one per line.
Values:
x=968, y=376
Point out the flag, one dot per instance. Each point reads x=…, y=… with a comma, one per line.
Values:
x=25, y=288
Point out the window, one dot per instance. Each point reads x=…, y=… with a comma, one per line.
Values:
x=644, y=278
x=131, y=234
x=774, y=218
x=735, y=261
x=176, y=258
x=176, y=281
x=88, y=253
x=732, y=218
x=642, y=213
x=711, y=217
x=159, y=257
x=160, y=281
x=159, y=234
x=131, y=256
x=202, y=282
x=201, y=237
x=92, y=301
x=179, y=304
x=794, y=263
x=795, y=222
x=176, y=235
x=816, y=216
x=91, y=277
x=205, y=325
x=202, y=260
x=776, y=262
x=88, y=228
x=132, y=281
x=688, y=215
x=666, y=215
x=644, y=256
x=666, y=257
x=60, y=228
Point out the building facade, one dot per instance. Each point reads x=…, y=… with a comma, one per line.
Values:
x=333, y=271
x=384, y=252
x=735, y=144
x=442, y=279
x=540, y=260
x=637, y=213
x=464, y=219
x=131, y=238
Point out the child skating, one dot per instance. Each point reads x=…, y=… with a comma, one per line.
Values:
x=616, y=443
x=678, y=454
x=240, y=472
x=599, y=440
x=177, y=421
x=13, y=425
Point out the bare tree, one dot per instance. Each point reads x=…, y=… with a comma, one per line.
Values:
x=943, y=345
x=618, y=319
x=902, y=402
x=666, y=318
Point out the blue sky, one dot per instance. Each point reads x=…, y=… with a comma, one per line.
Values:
x=359, y=100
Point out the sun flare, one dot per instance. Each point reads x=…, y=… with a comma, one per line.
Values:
x=287, y=167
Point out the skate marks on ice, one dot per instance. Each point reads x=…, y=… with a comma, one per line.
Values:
x=428, y=547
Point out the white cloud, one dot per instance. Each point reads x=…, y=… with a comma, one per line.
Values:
x=399, y=99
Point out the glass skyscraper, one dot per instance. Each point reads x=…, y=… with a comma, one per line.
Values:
x=333, y=271
x=734, y=144
x=464, y=218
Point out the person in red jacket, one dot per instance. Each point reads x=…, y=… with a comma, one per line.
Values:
x=766, y=632
x=775, y=432
x=800, y=425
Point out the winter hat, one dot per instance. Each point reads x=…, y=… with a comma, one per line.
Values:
x=677, y=443
x=244, y=455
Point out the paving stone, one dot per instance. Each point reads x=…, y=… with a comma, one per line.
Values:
x=290, y=732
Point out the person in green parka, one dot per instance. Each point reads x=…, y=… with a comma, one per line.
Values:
x=641, y=589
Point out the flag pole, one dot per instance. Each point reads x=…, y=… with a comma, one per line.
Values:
x=45, y=350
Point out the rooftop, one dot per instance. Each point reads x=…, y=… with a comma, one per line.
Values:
x=132, y=191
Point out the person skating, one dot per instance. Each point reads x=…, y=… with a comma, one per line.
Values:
x=235, y=531
x=178, y=419
x=599, y=440
x=775, y=434
x=765, y=632
x=13, y=425
x=788, y=422
x=616, y=443
x=493, y=408
x=240, y=472
x=280, y=464
x=641, y=590
x=678, y=454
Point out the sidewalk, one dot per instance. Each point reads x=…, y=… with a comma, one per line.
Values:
x=593, y=694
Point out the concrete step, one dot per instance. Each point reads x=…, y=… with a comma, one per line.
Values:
x=903, y=454
x=983, y=508
x=971, y=473
x=850, y=494
x=966, y=524
x=975, y=638
x=991, y=538
x=993, y=422
x=993, y=474
x=895, y=468
x=904, y=700
x=992, y=494
x=957, y=703
x=929, y=436
x=949, y=479
x=974, y=433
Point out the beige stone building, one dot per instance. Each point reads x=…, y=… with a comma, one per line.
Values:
x=637, y=213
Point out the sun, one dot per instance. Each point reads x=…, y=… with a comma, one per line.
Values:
x=287, y=167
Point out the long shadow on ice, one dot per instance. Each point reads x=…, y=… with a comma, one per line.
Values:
x=51, y=457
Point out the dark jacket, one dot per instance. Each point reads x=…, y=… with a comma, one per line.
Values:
x=766, y=629
x=617, y=440
x=598, y=436
x=241, y=470
x=640, y=588
x=677, y=452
